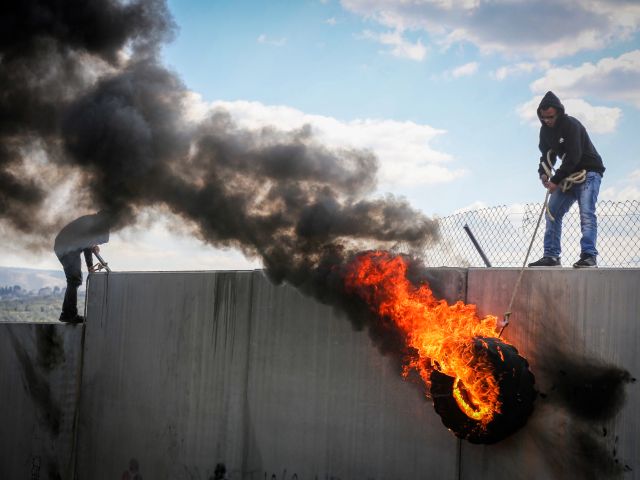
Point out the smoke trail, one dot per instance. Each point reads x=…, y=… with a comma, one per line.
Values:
x=87, y=98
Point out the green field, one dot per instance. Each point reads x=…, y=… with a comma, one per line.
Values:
x=34, y=308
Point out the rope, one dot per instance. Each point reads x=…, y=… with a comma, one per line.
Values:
x=507, y=314
x=565, y=184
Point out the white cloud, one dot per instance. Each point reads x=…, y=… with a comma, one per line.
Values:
x=403, y=148
x=276, y=42
x=514, y=213
x=611, y=78
x=331, y=21
x=522, y=67
x=616, y=79
x=465, y=70
x=544, y=29
x=400, y=46
x=595, y=119
x=626, y=189
x=477, y=205
x=194, y=107
x=161, y=246
x=629, y=192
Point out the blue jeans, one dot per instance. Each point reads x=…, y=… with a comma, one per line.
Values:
x=560, y=202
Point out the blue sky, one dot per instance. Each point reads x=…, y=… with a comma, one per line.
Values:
x=332, y=59
x=442, y=91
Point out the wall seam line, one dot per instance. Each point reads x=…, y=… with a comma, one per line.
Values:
x=245, y=413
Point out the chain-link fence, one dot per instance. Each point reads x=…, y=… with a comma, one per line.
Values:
x=504, y=233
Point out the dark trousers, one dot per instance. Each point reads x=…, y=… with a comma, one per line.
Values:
x=73, y=271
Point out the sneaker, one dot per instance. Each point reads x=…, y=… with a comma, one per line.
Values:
x=586, y=261
x=546, y=262
x=76, y=319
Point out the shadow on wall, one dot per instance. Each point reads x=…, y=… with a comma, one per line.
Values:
x=581, y=395
x=35, y=377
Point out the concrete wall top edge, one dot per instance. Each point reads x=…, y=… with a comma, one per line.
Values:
x=144, y=272
x=554, y=269
x=128, y=272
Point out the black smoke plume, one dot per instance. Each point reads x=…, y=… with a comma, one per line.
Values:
x=84, y=97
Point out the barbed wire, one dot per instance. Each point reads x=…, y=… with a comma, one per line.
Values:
x=504, y=233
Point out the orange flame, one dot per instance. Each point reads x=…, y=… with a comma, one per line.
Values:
x=441, y=334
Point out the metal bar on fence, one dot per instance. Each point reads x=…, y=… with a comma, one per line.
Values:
x=477, y=245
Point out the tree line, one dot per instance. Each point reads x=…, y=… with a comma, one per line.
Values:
x=13, y=291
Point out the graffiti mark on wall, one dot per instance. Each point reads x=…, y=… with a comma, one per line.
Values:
x=133, y=472
x=36, y=463
x=265, y=475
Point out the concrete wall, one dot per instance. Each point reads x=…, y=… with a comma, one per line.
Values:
x=185, y=370
x=575, y=327
x=38, y=397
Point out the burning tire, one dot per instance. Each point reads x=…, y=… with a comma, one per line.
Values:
x=516, y=395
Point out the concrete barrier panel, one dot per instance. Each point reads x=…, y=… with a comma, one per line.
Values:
x=324, y=403
x=579, y=330
x=164, y=378
x=185, y=370
x=38, y=398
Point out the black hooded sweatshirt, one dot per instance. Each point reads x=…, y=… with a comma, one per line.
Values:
x=568, y=136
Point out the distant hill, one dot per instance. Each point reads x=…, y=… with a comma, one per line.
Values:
x=30, y=278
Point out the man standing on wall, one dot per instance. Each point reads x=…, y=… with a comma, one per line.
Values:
x=83, y=235
x=565, y=137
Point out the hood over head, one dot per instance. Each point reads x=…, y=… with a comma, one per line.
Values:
x=550, y=100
